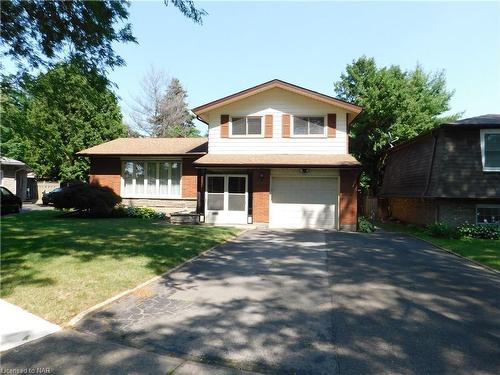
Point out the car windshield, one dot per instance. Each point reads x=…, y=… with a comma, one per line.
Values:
x=56, y=190
x=5, y=192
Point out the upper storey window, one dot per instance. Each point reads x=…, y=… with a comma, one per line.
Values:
x=490, y=149
x=308, y=125
x=246, y=126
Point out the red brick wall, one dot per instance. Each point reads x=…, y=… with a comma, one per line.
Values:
x=189, y=178
x=348, y=197
x=106, y=171
x=260, y=195
x=413, y=210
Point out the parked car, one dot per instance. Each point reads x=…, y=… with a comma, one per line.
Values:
x=47, y=196
x=10, y=203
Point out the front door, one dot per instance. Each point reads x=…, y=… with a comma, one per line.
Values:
x=226, y=199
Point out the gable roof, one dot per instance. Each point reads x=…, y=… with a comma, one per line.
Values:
x=149, y=146
x=489, y=119
x=9, y=161
x=273, y=84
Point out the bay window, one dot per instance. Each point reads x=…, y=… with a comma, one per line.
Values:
x=148, y=178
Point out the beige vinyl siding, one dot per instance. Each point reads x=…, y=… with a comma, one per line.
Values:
x=277, y=102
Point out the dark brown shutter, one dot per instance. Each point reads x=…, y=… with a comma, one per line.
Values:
x=285, y=126
x=347, y=123
x=268, y=126
x=332, y=125
x=224, y=126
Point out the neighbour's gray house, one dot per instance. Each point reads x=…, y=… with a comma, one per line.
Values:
x=13, y=176
x=450, y=174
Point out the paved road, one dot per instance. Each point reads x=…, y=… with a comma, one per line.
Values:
x=305, y=302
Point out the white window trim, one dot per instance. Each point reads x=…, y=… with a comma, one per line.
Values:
x=325, y=128
x=262, y=126
x=483, y=132
x=157, y=195
x=226, y=192
x=485, y=206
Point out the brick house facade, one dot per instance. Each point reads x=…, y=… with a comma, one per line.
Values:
x=276, y=154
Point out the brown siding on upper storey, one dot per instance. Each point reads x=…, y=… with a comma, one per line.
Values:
x=106, y=172
x=407, y=169
x=348, y=209
x=189, y=178
x=458, y=169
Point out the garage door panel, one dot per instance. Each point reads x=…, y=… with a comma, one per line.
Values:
x=306, y=202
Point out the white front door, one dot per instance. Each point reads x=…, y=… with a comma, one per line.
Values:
x=226, y=199
x=303, y=202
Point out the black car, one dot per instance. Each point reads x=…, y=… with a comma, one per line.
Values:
x=47, y=197
x=10, y=203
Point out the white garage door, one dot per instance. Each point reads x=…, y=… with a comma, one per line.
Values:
x=303, y=202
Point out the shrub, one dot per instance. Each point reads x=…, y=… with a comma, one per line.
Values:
x=442, y=230
x=487, y=232
x=87, y=199
x=365, y=225
x=138, y=212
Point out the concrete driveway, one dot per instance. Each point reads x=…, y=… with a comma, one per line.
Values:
x=305, y=302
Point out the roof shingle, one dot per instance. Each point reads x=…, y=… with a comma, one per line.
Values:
x=149, y=146
x=277, y=160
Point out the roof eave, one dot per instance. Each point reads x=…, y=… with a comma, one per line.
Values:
x=200, y=110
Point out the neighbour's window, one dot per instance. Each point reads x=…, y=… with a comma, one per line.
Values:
x=151, y=178
x=490, y=148
x=306, y=125
x=488, y=214
x=243, y=126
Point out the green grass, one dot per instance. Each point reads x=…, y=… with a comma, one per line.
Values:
x=483, y=251
x=57, y=266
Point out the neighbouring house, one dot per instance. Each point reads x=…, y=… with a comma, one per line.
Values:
x=450, y=174
x=13, y=176
x=276, y=154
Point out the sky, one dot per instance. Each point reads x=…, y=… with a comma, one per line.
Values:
x=242, y=44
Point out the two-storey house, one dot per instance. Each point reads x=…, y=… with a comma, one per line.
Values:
x=276, y=154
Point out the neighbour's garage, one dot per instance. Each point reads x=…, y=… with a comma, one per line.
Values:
x=304, y=202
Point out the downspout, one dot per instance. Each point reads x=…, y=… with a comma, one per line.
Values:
x=429, y=175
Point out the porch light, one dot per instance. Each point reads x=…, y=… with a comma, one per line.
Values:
x=304, y=171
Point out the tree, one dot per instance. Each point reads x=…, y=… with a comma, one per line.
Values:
x=397, y=105
x=175, y=119
x=40, y=32
x=46, y=120
x=161, y=110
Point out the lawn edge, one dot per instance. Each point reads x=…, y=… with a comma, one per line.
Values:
x=445, y=250
x=77, y=318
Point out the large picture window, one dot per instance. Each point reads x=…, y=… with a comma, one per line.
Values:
x=246, y=126
x=308, y=125
x=490, y=149
x=160, y=179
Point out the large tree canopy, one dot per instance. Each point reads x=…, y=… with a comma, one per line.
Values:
x=46, y=120
x=397, y=105
x=39, y=32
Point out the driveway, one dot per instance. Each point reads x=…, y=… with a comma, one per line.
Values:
x=306, y=302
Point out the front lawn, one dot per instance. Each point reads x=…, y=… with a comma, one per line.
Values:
x=58, y=266
x=483, y=251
